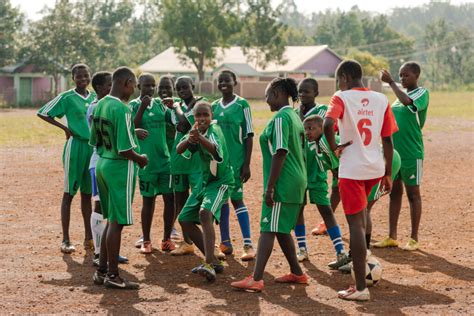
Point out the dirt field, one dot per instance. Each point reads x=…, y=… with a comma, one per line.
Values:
x=37, y=278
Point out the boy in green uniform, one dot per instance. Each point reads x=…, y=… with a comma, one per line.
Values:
x=410, y=110
x=113, y=135
x=77, y=153
x=234, y=117
x=284, y=178
x=204, y=207
x=151, y=115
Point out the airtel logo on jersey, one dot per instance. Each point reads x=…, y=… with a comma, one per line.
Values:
x=364, y=102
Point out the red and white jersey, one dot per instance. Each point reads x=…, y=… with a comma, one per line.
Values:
x=363, y=117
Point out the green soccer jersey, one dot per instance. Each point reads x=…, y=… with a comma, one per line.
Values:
x=214, y=169
x=408, y=141
x=285, y=131
x=170, y=129
x=154, y=145
x=318, y=109
x=112, y=130
x=235, y=120
x=74, y=106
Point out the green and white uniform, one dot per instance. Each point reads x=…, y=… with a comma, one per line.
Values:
x=113, y=132
x=408, y=141
x=155, y=178
x=170, y=129
x=77, y=153
x=217, y=178
x=235, y=120
x=284, y=131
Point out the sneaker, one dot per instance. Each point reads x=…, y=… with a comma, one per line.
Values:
x=183, y=249
x=320, y=229
x=302, y=255
x=146, y=248
x=207, y=270
x=227, y=250
x=248, y=284
x=139, y=243
x=411, y=245
x=167, y=245
x=249, y=253
x=219, y=254
x=116, y=282
x=175, y=235
x=99, y=277
x=386, y=242
x=122, y=259
x=347, y=268
x=352, y=294
x=95, y=260
x=218, y=267
x=293, y=278
x=341, y=260
x=89, y=244
x=67, y=247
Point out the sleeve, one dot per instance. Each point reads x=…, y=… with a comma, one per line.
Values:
x=389, y=126
x=93, y=137
x=90, y=111
x=322, y=111
x=125, y=131
x=133, y=108
x=247, y=126
x=214, y=138
x=331, y=160
x=336, y=108
x=190, y=117
x=420, y=101
x=54, y=108
x=280, y=134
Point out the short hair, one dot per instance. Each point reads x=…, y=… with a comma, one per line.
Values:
x=78, y=66
x=167, y=77
x=313, y=82
x=349, y=68
x=414, y=67
x=99, y=78
x=314, y=118
x=145, y=75
x=123, y=73
x=230, y=73
x=186, y=78
x=286, y=85
x=204, y=104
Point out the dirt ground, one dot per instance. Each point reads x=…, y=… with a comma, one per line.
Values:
x=37, y=278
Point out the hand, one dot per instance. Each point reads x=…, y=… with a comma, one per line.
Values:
x=385, y=76
x=269, y=197
x=340, y=148
x=168, y=102
x=194, y=134
x=141, y=133
x=386, y=185
x=245, y=173
x=146, y=101
x=68, y=133
x=142, y=161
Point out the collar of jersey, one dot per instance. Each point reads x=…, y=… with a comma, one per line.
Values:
x=111, y=96
x=230, y=103
x=85, y=98
x=285, y=107
x=361, y=89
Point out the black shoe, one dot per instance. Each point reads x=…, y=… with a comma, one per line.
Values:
x=122, y=260
x=116, y=282
x=99, y=277
x=95, y=260
x=218, y=267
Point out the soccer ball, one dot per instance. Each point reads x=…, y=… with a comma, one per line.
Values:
x=373, y=271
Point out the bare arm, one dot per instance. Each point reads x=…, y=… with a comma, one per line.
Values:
x=386, y=183
x=146, y=100
x=329, y=133
x=401, y=95
x=130, y=154
x=52, y=121
x=245, y=171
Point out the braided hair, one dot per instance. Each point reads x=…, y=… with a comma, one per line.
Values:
x=286, y=85
x=349, y=68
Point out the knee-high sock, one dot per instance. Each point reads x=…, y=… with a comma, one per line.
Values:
x=336, y=238
x=244, y=223
x=224, y=225
x=300, y=234
x=97, y=227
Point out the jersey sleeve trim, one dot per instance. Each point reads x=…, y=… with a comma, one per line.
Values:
x=50, y=105
x=219, y=158
x=279, y=134
x=336, y=108
x=389, y=126
x=128, y=119
x=248, y=121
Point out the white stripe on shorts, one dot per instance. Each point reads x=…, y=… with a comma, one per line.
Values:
x=129, y=192
x=218, y=199
x=67, y=157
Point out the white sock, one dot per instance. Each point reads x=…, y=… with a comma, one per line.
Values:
x=97, y=227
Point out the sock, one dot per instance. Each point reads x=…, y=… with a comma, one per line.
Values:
x=335, y=235
x=300, y=233
x=244, y=223
x=97, y=227
x=367, y=240
x=224, y=225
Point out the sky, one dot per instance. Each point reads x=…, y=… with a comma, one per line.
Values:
x=32, y=7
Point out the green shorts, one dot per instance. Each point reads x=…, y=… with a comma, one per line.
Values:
x=184, y=182
x=76, y=157
x=116, y=184
x=319, y=195
x=411, y=171
x=211, y=198
x=155, y=184
x=281, y=218
x=237, y=193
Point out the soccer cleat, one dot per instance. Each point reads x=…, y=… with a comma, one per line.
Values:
x=302, y=255
x=248, y=284
x=347, y=268
x=351, y=294
x=227, y=250
x=99, y=277
x=89, y=244
x=293, y=278
x=218, y=267
x=116, y=282
x=386, y=242
x=183, y=249
x=67, y=247
x=207, y=270
x=139, y=242
x=341, y=260
x=411, y=245
x=167, y=245
x=146, y=248
x=320, y=229
x=175, y=235
x=95, y=260
x=122, y=259
x=249, y=253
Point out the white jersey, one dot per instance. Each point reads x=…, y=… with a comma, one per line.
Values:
x=363, y=117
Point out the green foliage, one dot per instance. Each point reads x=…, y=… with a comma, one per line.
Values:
x=371, y=65
x=11, y=23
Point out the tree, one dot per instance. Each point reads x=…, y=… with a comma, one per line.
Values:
x=263, y=36
x=10, y=26
x=371, y=65
x=435, y=38
x=197, y=27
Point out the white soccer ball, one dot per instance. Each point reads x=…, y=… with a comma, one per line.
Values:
x=373, y=272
